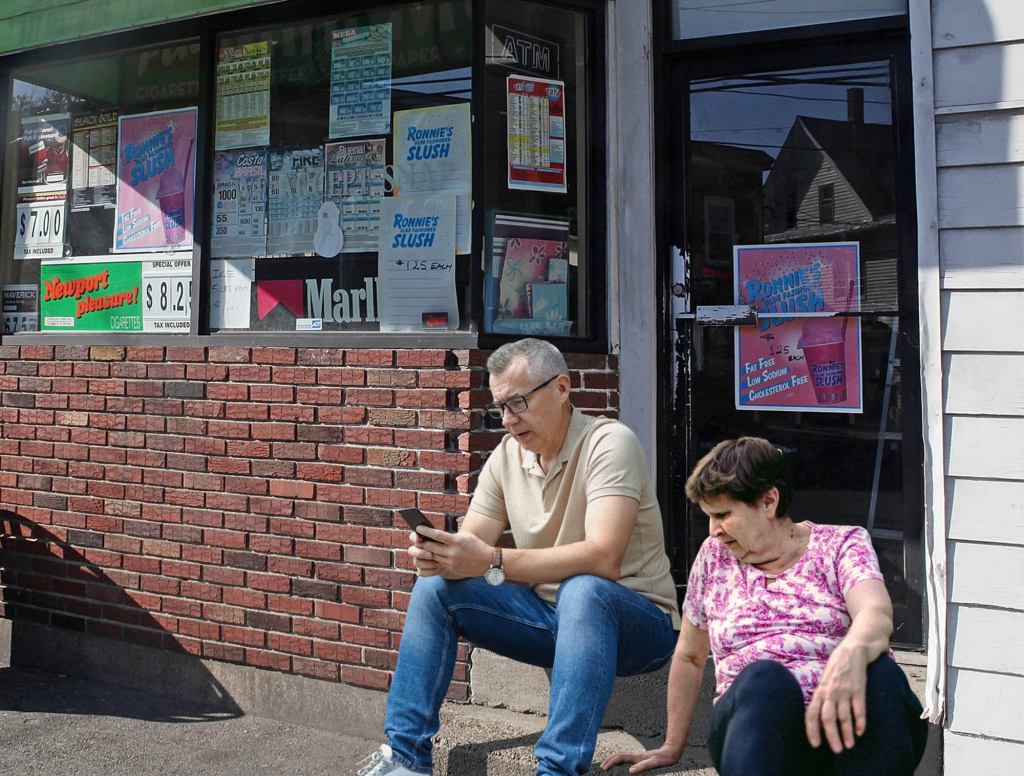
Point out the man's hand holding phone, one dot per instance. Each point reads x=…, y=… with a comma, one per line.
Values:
x=419, y=547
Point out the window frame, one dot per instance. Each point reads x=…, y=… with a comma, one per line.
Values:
x=207, y=30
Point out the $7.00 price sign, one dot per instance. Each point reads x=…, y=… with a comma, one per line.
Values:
x=40, y=230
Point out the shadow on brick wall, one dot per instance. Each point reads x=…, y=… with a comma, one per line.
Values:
x=70, y=616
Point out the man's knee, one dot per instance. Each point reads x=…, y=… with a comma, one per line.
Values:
x=583, y=592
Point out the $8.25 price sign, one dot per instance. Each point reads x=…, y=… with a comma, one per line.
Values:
x=40, y=230
x=167, y=301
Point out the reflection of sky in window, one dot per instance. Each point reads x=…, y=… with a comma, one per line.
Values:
x=757, y=111
x=698, y=18
x=456, y=83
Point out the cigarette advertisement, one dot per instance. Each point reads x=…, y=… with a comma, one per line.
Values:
x=140, y=293
x=807, y=359
x=243, y=96
x=155, y=181
x=43, y=171
x=433, y=156
x=295, y=193
x=355, y=183
x=20, y=308
x=94, y=161
x=239, y=203
x=536, y=134
x=416, y=263
x=361, y=81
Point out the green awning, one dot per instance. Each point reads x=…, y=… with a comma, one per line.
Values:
x=29, y=24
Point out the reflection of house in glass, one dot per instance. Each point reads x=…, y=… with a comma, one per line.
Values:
x=729, y=180
x=833, y=181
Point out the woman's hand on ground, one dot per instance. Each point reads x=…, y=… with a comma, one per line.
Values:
x=643, y=761
x=838, y=706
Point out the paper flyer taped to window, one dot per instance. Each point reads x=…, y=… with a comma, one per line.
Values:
x=43, y=173
x=355, y=182
x=360, y=81
x=416, y=263
x=295, y=192
x=243, y=96
x=155, y=181
x=809, y=360
x=239, y=203
x=20, y=308
x=433, y=154
x=536, y=134
x=94, y=161
x=231, y=293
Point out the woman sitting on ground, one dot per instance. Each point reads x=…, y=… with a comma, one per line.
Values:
x=798, y=622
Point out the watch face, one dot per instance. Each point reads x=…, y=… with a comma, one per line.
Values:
x=494, y=576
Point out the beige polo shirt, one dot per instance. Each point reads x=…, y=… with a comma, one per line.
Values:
x=599, y=457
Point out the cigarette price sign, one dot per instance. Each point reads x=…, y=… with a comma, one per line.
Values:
x=167, y=300
x=40, y=230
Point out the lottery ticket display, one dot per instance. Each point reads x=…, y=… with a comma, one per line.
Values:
x=240, y=203
x=361, y=81
x=295, y=193
x=355, y=182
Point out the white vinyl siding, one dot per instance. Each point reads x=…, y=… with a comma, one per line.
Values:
x=979, y=105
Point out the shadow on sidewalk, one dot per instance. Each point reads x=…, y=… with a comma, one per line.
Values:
x=73, y=617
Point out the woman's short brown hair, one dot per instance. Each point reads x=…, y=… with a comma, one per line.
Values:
x=742, y=469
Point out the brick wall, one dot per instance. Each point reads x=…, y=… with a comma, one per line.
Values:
x=237, y=503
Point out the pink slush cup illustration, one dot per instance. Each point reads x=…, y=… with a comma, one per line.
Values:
x=823, y=341
x=171, y=196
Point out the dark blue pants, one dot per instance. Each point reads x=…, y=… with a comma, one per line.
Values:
x=757, y=727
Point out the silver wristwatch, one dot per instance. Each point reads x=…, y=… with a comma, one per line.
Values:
x=495, y=575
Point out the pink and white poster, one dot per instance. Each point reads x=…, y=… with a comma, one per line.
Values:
x=536, y=134
x=800, y=355
x=155, y=181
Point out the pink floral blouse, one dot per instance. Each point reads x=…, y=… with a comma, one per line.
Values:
x=796, y=618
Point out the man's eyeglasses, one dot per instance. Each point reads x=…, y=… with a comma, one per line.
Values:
x=514, y=404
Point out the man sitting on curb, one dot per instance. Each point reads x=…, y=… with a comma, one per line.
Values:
x=595, y=598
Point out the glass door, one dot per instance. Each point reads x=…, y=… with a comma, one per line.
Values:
x=799, y=155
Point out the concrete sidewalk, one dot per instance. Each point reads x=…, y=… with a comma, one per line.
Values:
x=53, y=725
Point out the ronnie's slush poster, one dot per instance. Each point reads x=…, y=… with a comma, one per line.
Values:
x=155, y=181
x=809, y=359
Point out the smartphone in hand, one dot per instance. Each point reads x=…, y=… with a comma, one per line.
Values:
x=414, y=519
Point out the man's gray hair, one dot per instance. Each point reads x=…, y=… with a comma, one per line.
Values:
x=542, y=358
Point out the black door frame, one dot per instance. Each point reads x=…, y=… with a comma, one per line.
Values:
x=675, y=64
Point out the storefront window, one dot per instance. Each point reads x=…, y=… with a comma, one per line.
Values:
x=97, y=228
x=342, y=174
x=538, y=266
x=330, y=176
x=704, y=18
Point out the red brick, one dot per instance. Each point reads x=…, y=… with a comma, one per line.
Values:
x=274, y=355
x=200, y=591
x=296, y=645
x=317, y=629
x=341, y=415
x=260, y=658
x=364, y=596
x=339, y=612
x=379, y=456
x=223, y=576
x=314, y=510
x=272, y=583
x=390, y=498
x=250, y=599
x=294, y=375
x=292, y=567
x=247, y=636
x=317, y=550
x=322, y=472
x=340, y=494
x=369, y=357
x=290, y=604
x=226, y=392
x=365, y=677
x=367, y=556
x=369, y=435
x=341, y=376
x=225, y=652
x=316, y=669
x=421, y=358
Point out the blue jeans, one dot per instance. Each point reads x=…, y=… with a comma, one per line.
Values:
x=757, y=727
x=596, y=631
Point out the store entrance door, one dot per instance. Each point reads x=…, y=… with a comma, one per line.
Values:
x=802, y=155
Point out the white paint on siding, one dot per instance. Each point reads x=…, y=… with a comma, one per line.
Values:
x=982, y=258
x=987, y=705
x=969, y=22
x=979, y=76
x=980, y=138
x=981, y=196
x=971, y=756
x=987, y=575
x=633, y=206
x=986, y=639
x=985, y=448
x=984, y=383
x=983, y=321
x=986, y=511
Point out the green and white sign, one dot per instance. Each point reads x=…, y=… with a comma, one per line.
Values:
x=125, y=294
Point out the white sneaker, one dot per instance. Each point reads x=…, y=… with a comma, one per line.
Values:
x=380, y=764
